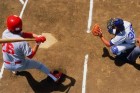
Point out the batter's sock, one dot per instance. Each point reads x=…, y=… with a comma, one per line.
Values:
x=47, y=71
x=54, y=78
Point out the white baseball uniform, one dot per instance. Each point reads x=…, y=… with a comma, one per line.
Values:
x=14, y=55
x=124, y=40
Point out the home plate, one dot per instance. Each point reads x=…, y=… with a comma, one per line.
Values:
x=50, y=40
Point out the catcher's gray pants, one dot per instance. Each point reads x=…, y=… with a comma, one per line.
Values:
x=134, y=54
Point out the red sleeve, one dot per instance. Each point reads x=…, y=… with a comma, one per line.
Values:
x=31, y=56
x=27, y=35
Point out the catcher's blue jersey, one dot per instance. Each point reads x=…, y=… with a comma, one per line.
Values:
x=127, y=36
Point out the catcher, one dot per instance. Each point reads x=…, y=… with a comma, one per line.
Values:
x=124, y=36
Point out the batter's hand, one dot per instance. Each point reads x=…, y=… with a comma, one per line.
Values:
x=40, y=38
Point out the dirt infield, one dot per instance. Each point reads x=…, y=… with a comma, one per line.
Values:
x=67, y=21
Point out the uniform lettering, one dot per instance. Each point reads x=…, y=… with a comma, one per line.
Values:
x=131, y=35
x=9, y=48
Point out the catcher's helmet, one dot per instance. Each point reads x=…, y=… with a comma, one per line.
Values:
x=14, y=23
x=118, y=22
x=115, y=22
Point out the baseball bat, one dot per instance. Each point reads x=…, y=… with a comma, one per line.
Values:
x=16, y=40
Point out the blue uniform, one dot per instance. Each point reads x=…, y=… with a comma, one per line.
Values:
x=123, y=40
x=134, y=54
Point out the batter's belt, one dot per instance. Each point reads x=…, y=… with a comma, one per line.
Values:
x=18, y=62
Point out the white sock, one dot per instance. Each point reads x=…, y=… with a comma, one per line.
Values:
x=54, y=78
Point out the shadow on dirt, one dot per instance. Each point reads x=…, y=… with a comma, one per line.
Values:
x=48, y=85
x=120, y=60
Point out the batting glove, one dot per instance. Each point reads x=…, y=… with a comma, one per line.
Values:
x=40, y=38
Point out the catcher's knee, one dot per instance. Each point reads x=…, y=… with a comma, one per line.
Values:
x=115, y=50
x=137, y=50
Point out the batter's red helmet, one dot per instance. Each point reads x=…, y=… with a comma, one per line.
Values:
x=14, y=23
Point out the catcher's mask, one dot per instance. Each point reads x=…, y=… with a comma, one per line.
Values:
x=115, y=25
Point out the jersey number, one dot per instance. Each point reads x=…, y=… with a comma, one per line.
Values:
x=131, y=34
x=9, y=48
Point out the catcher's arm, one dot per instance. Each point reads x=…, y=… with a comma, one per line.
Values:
x=96, y=31
x=105, y=41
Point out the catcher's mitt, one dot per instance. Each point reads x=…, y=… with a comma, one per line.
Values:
x=96, y=31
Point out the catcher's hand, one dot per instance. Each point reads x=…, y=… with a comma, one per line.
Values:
x=96, y=31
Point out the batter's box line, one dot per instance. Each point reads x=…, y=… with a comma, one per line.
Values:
x=25, y=3
x=90, y=16
x=21, y=1
x=85, y=74
x=2, y=70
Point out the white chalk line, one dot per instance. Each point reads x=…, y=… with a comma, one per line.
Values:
x=84, y=74
x=86, y=56
x=21, y=13
x=90, y=16
x=2, y=69
x=21, y=1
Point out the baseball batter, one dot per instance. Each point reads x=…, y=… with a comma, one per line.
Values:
x=14, y=54
x=124, y=36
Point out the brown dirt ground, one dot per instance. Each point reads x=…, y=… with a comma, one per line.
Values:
x=67, y=21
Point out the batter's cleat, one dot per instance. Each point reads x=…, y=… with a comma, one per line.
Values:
x=15, y=72
x=57, y=75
